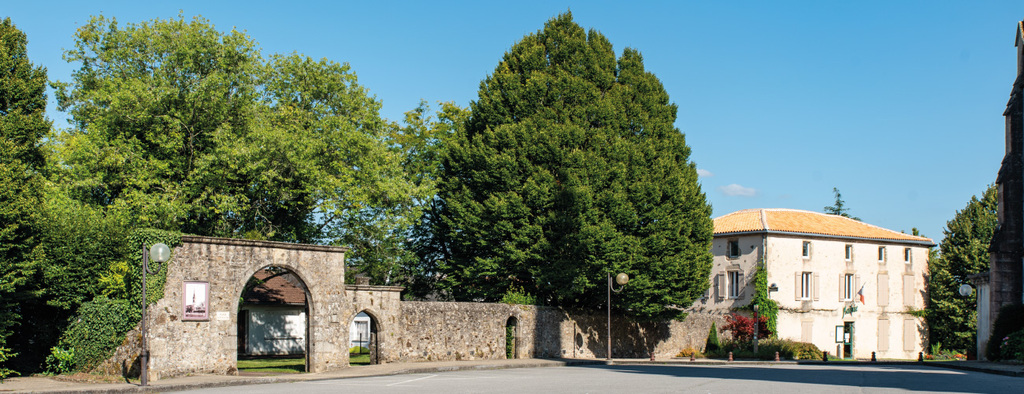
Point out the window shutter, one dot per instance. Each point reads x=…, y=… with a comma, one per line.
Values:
x=814, y=286
x=797, y=288
x=722, y=288
x=856, y=287
x=741, y=284
x=842, y=284
x=883, y=289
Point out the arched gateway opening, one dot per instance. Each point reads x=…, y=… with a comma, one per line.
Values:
x=364, y=345
x=273, y=323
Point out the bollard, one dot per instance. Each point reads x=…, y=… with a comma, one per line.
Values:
x=824, y=356
x=920, y=356
x=692, y=356
x=776, y=356
x=873, y=359
x=652, y=356
x=730, y=356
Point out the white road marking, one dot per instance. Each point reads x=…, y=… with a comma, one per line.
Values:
x=412, y=380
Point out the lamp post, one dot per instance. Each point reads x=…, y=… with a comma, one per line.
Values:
x=621, y=279
x=757, y=327
x=159, y=253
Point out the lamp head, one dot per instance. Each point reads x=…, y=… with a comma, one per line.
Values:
x=621, y=279
x=965, y=290
x=159, y=253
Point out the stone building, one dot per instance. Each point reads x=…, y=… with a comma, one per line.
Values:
x=844, y=285
x=1004, y=283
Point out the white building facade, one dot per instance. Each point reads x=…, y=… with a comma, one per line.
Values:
x=846, y=286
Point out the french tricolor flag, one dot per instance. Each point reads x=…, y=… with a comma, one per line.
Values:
x=860, y=293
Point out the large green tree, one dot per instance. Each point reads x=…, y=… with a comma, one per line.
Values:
x=952, y=320
x=570, y=168
x=186, y=128
x=22, y=128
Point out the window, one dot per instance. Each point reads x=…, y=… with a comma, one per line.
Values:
x=735, y=283
x=883, y=289
x=848, y=287
x=805, y=286
x=906, y=255
x=734, y=249
x=807, y=249
x=908, y=290
x=849, y=252
x=881, y=254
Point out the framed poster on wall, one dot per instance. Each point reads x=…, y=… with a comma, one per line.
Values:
x=195, y=301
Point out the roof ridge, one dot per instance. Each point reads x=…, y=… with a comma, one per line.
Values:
x=764, y=220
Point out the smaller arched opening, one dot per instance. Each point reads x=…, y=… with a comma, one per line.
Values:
x=364, y=343
x=511, y=338
x=273, y=322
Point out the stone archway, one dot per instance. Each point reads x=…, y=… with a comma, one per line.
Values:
x=273, y=317
x=369, y=337
x=180, y=347
x=512, y=338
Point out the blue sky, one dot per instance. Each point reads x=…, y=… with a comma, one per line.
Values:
x=898, y=104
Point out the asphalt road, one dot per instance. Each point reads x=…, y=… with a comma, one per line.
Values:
x=729, y=379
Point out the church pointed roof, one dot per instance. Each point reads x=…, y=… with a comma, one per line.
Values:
x=807, y=223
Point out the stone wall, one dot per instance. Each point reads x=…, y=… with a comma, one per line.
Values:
x=405, y=331
x=466, y=331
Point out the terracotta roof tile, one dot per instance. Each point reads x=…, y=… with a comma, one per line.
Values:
x=275, y=290
x=806, y=222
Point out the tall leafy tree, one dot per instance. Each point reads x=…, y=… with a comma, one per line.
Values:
x=952, y=320
x=186, y=128
x=22, y=128
x=570, y=168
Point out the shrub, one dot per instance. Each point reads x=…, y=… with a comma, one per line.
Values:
x=98, y=329
x=712, y=344
x=742, y=327
x=60, y=361
x=1012, y=347
x=1010, y=320
x=517, y=296
x=689, y=351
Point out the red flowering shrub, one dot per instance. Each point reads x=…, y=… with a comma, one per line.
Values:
x=742, y=327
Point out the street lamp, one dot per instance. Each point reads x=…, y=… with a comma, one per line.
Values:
x=621, y=279
x=965, y=290
x=159, y=253
x=757, y=327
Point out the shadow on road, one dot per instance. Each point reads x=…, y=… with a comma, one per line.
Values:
x=901, y=377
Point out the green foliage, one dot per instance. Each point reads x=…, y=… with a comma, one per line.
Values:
x=712, y=345
x=569, y=168
x=5, y=354
x=952, y=318
x=787, y=349
x=60, y=361
x=510, y=342
x=767, y=307
x=22, y=128
x=839, y=208
x=1010, y=320
x=208, y=137
x=1012, y=347
x=517, y=296
x=98, y=328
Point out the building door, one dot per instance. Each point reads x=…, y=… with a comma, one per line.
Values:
x=848, y=340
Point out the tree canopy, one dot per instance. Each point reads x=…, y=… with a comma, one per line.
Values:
x=569, y=168
x=22, y=128
x=952, y=318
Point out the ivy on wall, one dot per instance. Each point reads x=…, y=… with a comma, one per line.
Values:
x=766, y=306
x=99, y=326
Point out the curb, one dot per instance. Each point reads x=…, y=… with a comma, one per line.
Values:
x=1016, y=374
x=134, y=388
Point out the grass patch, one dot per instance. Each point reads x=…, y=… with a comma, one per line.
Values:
x=359, y=359
x=273, y=365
